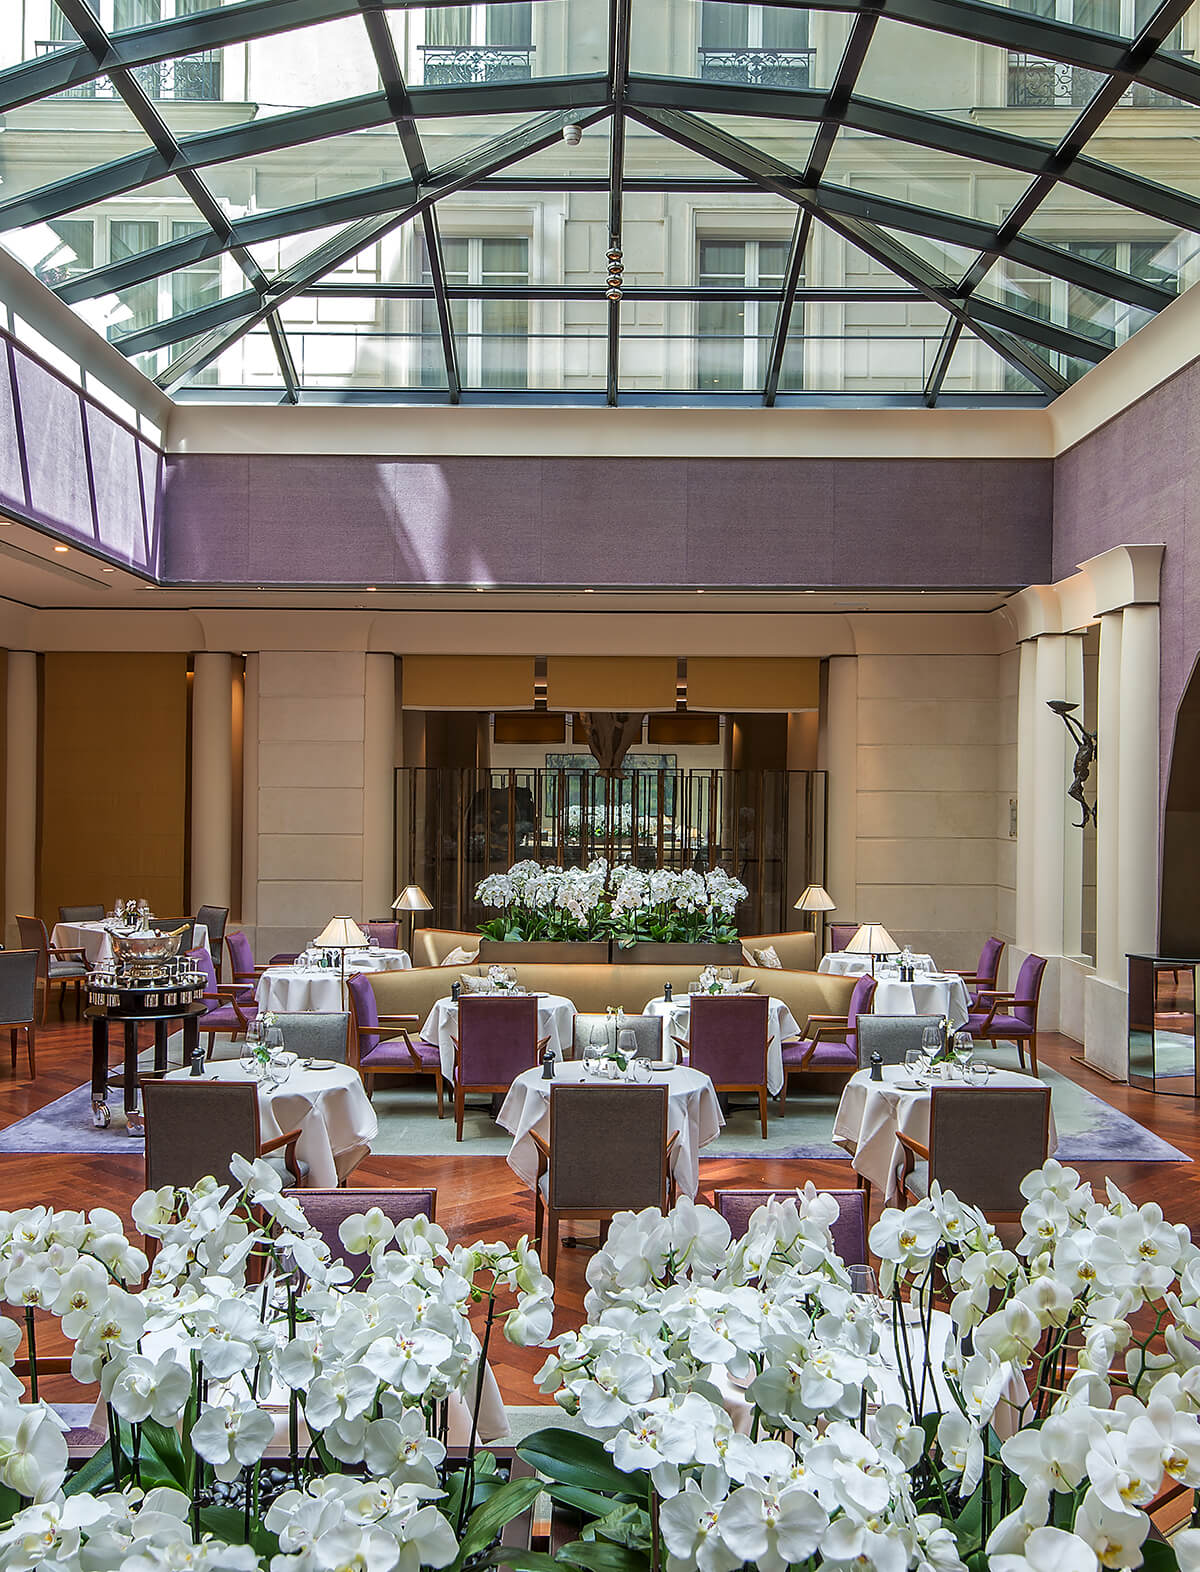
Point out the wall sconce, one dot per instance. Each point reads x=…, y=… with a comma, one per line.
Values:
x=1085, y=757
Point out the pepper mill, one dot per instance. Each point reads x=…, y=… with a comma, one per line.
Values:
x=455, y=990
x=547, y=1063
x=877, y=1066
x=197, y=1059
x=667, y=992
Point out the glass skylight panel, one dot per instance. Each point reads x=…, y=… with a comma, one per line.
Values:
x=924, y=176
x=718, y=41
x=491, y=45
x=305, y=175
x=65, y=134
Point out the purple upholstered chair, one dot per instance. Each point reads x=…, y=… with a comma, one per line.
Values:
x=986, y=974
x=326, y=1210
x=832, y=1043
x=727, y=1040
x=385, y=934
x=840, y=934
x=1012, y=1017
x=497, y=1039
x=849, y=1227
x=381, y=1044
x=242, y=969
x=230, y=1010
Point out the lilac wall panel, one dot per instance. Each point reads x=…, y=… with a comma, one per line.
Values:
x=12, y=485
x=151, y=468
x=58, y=476
x=338, y=520
x=1138, y=480
x=114, y=457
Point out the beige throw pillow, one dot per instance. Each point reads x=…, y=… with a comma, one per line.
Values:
x=740, y=987
x=475, y=984
x=460, y=957
x=770, y=958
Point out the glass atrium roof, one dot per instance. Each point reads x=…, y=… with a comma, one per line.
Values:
x=622, y=201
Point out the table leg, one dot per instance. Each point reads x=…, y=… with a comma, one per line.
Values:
x=100, y=1113
x=191, y=1037
x=160, y=1046
x=133, y=1112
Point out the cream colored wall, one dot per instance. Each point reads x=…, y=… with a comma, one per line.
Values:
x=311, y=710
x=933, y=773
x=1008, y=667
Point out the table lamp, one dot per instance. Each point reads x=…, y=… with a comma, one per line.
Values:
x=874, y=940
x=341, y=934
x=412, y=899
x=816, y=899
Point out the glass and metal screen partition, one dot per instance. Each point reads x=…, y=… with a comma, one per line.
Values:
x=455, y=826
x=1162, y=1024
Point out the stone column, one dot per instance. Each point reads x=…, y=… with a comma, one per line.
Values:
x=250, y=795
x=1052, y=752
x=212, y=779
x=841, y=762
x=379, y=789
x=1026, y=811
x=1110, y=960
x=1137, y=787
x=21, y=789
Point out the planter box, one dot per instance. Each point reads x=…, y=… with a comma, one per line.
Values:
x=649, y=953
x=505, y=952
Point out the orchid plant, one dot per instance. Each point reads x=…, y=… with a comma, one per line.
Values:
x=615, y=901
x=266, y=1407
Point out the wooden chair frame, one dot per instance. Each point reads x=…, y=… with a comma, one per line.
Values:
x=819, y=1029
x=28, y=1027
x=1020, y=1040
x=482, y=1087
x=69, y=953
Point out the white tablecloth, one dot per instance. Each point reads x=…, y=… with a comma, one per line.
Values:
x=93, y=939
x=292, y=988
x=781, y=1028
x=693, y=1114
x=939, y=993
x=330, y=1108
x=839, y=964
x=872, y=1113
x=556, y=1020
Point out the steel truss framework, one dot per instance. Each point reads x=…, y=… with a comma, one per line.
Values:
x=678, y=109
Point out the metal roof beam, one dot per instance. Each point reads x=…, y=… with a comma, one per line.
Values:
x=437, y=271
x=941, y=361
x=283, y=354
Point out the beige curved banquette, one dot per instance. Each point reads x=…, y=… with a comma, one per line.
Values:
x=593, y=987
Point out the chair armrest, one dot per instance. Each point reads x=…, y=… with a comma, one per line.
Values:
x=999, y=994
x=541, y=1044
x=912, y=1145
x=829, y=1031
x=68, y=954
x=829, y=1020
x=971, y=977
x=672, y=1142
x=288, y=1142
x=399, y=1020
x=543, y=1148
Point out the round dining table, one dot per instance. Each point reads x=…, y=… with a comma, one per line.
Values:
x=693, y=1116
x=93, y=938
x=556, y=1022
x=871, y=1115
x=781, y=1028
x=326, y=1102
x=929, y=993
x=840, y=963
x=319, y=988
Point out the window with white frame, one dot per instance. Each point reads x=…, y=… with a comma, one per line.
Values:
x=1035, y=81
x=196, y=77
x=764, y=45
x=478, y=43
x=491, y=336
x=734, y=336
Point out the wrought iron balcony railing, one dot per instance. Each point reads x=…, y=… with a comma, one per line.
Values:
x=1037, y=83
x=195, y=77
x=757, y=67
x=463, y=65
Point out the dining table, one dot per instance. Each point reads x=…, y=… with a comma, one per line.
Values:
x=94, y=938
x=781, y=1027
x=298, y=987
x=872, y=1114
x=556, y=1023
x=840, y=963
x=324, y=1100
x=693, y=1115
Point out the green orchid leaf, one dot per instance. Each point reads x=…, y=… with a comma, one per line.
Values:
x=572, y=1458
x=604, y=1557
x=487, y=1521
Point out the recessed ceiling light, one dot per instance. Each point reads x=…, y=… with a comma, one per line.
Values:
x=108, y=570
x=699, y=592
x=371, y=588
x=589, y=592
x=61, y=548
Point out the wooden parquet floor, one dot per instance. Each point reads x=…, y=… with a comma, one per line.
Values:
x=480, y=1197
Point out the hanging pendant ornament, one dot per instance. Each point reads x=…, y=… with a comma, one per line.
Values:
x=615, y=269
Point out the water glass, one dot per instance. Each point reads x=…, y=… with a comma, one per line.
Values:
x=978, y=1072
x=694, y=987
x=864, y=1285
x=914, y=1062
x=964, y=1049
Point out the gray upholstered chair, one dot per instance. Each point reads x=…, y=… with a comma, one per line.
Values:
x=982, y=1143
x=214, y=919
x=194, y=1127
x=326, y=1210
x=67, y=967
x=891, y=1036
x=727, y=1040
x=849, y=1227
x=81, y=914
x=596, y=1031
x=315, y=1035
x=18, y=1000
x=608, y=1152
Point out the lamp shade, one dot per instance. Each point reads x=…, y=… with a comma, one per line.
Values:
x=815, y=899
x=341, y=933
x=412, y=898
x=872, y=939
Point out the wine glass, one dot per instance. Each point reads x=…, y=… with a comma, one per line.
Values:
x=964, y=1049
x=931, y=1045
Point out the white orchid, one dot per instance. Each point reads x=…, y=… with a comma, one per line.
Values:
x=231, y=1436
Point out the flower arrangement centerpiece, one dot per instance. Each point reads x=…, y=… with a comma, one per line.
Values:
x=744, y=1407
x=502, y=979
x=266, y=1407
x=617, y=901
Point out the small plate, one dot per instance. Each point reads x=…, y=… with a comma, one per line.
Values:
x=320, y=1064
x=661, y=1064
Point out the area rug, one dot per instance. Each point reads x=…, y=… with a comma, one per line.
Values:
x=1089, y=1131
